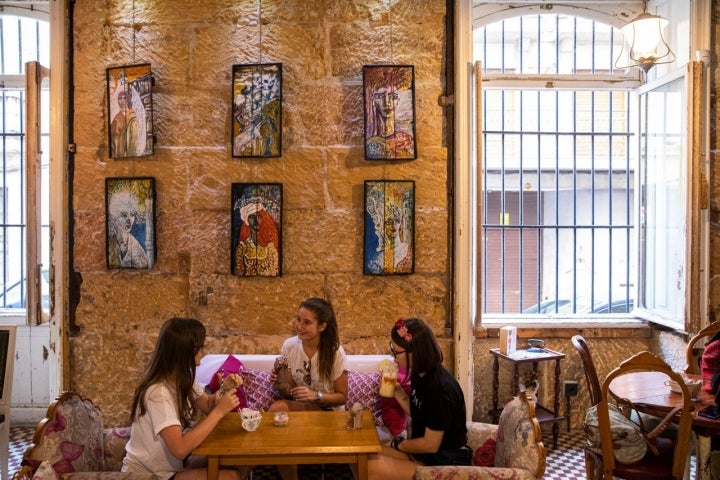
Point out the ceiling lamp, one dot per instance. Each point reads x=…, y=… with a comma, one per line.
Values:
x=645, y=42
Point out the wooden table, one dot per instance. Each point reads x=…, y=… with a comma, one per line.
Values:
x=543, y=414
x=649, y=394
x=309, y=437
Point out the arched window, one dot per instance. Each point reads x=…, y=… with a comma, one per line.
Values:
x=558, y=170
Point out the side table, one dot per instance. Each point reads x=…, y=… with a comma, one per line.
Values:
x=544, y=415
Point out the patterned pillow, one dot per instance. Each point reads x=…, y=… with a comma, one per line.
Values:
x=230, y=365
x=259, y=392
x=114, y=440
x=72, y=438
x=362, y=389
x=516, y=442
x=45, y=472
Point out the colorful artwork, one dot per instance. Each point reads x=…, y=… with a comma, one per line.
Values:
x=256, y=245
x=130, y=218
x=389, y=246
x=130, y=111
x=389, y=93
x=257, y=110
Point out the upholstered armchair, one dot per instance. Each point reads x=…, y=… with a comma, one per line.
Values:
x=512, y=449
x=70, y=443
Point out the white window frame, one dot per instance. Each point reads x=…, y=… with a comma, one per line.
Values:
x=466, y=315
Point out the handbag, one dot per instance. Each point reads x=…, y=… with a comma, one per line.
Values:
x=630, y=438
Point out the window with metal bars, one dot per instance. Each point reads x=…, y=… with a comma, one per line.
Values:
x=558, y=170
x=22, y=39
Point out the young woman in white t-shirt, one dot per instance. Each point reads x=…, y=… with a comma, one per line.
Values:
x=165, y=403
x=317, y=362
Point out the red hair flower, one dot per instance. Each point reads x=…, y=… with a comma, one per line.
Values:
x=402, y=330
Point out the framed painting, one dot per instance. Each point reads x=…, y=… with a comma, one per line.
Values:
x=130, y=220
x=130, y=109
x=256, y=244
x=389, y=245
x=389, y=99
x=257, y=110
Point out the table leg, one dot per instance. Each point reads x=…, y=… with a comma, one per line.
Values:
x=703, y=458
x=556, y=404
x=213, y=467
x=362, y=467
x=496, y=386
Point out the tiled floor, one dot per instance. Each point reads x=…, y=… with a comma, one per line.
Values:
x=565, y=463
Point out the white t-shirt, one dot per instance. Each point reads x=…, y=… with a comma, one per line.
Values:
x=299, y=363
x=146, y=450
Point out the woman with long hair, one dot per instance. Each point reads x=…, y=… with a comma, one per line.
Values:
x=165, y=403
x=436, y=406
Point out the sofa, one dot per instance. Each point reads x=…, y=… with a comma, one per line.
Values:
x=363, y=382
x=71, y=442
x=512, y=449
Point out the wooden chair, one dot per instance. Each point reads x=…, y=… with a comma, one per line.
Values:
x=693, y=352
x=7, y=357
x=670, y=461
x=590, y=373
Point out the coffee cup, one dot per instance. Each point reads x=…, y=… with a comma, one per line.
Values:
x=692, y=386
x=251, y=424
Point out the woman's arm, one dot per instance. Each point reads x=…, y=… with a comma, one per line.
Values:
x=340, y=395
x=430, y=443
x=402, y=398
x=182, y=444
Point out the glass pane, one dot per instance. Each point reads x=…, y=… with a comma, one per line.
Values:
x=664, y=202
x=547, y=44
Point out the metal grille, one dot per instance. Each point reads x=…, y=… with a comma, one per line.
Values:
x=558, y=174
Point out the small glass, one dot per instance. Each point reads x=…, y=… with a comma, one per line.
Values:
x=281, y=419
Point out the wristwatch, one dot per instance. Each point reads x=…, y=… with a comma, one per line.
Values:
x=320, y=396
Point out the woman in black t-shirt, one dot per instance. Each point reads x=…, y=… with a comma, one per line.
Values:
x=436, y=406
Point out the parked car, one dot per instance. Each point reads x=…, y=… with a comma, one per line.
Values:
x=566, y=306
x=618, y=306
x=548, y=306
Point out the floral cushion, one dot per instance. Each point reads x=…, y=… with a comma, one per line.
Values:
x=45, y=472
x=72, y=438
x=259, y=392
x=362, y=389
x=108, y=476
x=478, y=433
x=456, y=472
x=516, y=443
x=114, y=441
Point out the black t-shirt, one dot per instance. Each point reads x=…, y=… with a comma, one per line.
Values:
x=437, y=402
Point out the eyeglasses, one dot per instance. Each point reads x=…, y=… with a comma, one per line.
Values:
x=394, y=353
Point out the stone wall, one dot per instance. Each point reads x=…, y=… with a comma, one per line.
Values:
x=322, y=45
x=192, y=46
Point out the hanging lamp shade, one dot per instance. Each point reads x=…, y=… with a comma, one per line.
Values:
x=645, y=42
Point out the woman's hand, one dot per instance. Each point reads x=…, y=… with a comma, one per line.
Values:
x=227, y=402
x=231, y=382
x=304, y=394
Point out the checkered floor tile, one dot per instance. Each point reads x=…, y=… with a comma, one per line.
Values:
x=566, y=462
